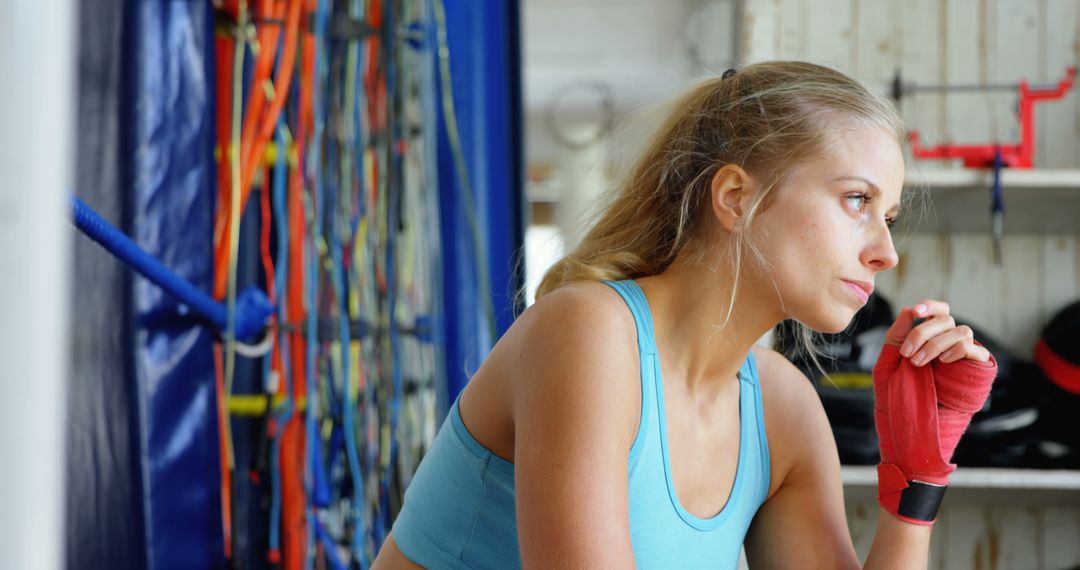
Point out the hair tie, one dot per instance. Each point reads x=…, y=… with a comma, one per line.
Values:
x=728, y=73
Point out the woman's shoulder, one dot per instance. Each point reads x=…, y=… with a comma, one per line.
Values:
x=788, y=396
x=786, y=381
x=580, y=295
x=586, y=312
x=578, y=342
x=795, y=420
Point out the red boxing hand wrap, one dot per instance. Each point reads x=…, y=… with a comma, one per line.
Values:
x=920, y=414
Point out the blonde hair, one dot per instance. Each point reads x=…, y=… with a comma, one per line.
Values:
x=766, y=118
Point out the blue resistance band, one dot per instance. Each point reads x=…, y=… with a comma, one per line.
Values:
x=252, y=305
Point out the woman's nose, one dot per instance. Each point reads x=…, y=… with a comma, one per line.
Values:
x=880, y=255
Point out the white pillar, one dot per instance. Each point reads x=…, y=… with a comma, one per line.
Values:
x=37, y=101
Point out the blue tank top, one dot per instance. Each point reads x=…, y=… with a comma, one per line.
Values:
x=459, y=507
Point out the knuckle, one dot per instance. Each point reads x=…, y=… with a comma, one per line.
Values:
x=938, y=344
x=926, y=345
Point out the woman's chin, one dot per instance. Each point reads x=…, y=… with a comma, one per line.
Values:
x=831, y=324
x=837, y=329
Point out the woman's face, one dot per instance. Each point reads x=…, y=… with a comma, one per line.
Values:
x=826, y=234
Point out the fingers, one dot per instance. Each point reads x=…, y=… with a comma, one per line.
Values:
x=926, y=331
x=900, y=328
x=954, y=353
x=923, y=332
x=965, y=350
x=927, y=308
x=955, y=339
x=930, y=308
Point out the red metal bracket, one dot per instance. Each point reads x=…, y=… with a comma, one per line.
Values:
x=1019, y=155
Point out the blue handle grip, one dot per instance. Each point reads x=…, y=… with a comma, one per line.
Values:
x=252, y=305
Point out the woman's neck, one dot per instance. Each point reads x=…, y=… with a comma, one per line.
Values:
x=689, y=302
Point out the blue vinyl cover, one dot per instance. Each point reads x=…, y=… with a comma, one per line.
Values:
x=167, y=137
x=484, y=44
x=102, y=484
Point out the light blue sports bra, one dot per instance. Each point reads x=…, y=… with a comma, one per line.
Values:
x=459, y=508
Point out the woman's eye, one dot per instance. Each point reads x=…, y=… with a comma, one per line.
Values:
x=858, y=201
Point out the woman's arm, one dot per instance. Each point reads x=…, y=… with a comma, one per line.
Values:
x=898, y=544
x=929, y=380
x=803, y=524
x=576, y=405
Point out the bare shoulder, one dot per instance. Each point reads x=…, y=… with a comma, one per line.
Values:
x=576, y=403
x=782, y=380
x=786, y=391
x=579, y=338
x=568, y=356
x=795, y=421
x=805, y=508
x=591, y=306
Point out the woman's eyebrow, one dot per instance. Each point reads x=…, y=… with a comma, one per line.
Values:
x=875, y=191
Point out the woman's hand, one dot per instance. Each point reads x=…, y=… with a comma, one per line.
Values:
x=936, y=336
x=921, y=411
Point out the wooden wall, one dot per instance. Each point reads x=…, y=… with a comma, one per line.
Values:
x=937, y=42
x=1039, y=275
x=984, y=537
x=962, y=41
x=955, y=41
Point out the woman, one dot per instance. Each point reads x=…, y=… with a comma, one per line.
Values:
x=628, y=418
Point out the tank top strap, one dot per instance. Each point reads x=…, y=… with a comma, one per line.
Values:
x=748, y=370
x=639, y=308
x=631, y=292
x=752, y=421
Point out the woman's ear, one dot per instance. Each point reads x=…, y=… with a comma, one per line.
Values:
x=730, y=193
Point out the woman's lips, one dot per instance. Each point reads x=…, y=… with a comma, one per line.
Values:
x=861, y=289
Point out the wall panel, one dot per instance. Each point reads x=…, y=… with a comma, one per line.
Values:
x=963, y=41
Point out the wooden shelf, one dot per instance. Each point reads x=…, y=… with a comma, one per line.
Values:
x=981, y=478
x=1038, y=201
x=982, y=486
